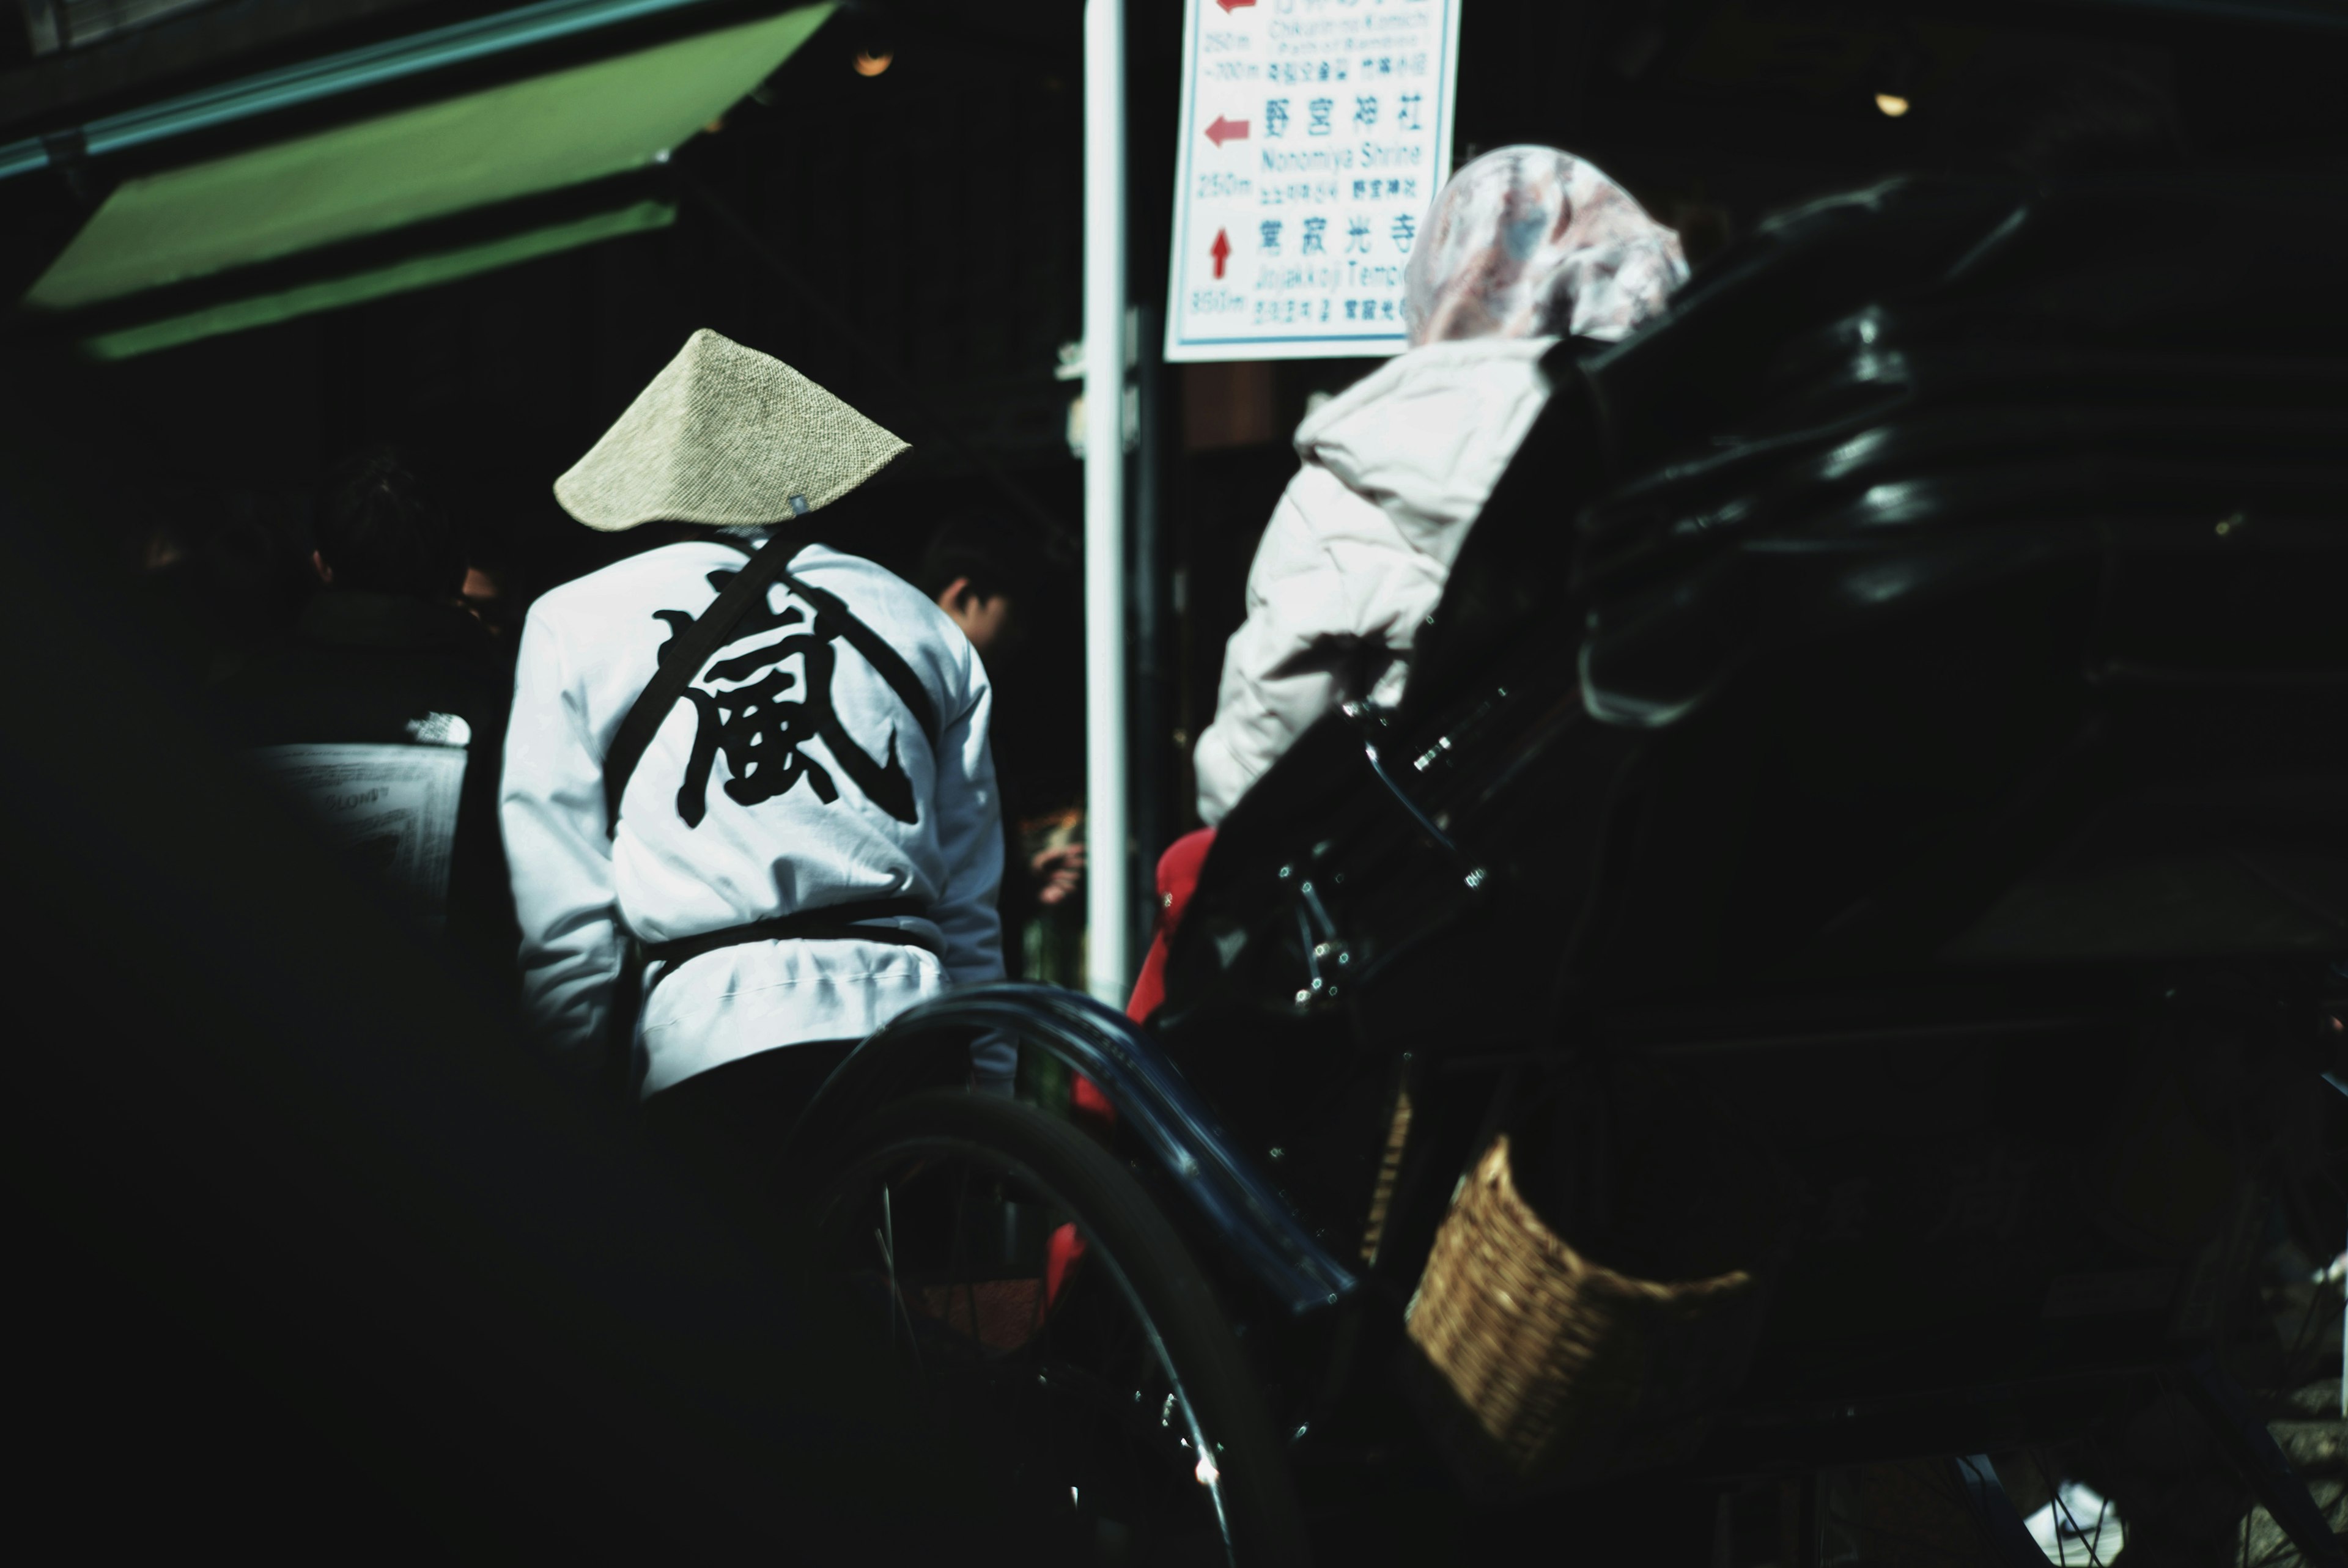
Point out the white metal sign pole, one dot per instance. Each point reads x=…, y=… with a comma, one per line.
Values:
x=1107, y=974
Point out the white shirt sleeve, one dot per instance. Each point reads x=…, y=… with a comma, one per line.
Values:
x=551, y=807
x=970, y=840
x=1333, y=597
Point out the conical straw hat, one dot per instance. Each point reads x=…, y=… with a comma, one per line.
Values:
x=727, y=436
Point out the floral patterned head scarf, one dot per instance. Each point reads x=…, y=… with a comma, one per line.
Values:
x=1528, y=242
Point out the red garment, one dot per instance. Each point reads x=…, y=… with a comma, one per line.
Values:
x=1089, y=1101
x=1061, y=1254
x=1177, y=878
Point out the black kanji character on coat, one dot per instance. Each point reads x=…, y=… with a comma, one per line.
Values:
x=763, y=727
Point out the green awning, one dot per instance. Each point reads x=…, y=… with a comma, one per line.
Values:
x=375, y=282
x=580, y=124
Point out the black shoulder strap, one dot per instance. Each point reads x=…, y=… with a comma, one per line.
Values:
x=884, y=659
x=682, y=660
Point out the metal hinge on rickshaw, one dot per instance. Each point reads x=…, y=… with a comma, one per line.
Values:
x=1370, y=721
x=1328, y=960
x=1326, y=957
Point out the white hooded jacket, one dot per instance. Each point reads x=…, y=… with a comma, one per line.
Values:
x=1397, y=468
x=1523, y=245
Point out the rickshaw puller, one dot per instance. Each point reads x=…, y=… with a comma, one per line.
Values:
x=785, y=802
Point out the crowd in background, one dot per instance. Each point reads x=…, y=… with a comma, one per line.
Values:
x=281, y=611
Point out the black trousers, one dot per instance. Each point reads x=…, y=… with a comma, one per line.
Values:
x=727, y=1125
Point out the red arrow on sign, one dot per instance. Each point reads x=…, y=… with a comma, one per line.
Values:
x=1231, y=6
x=1225, y=130
x=1220, y=250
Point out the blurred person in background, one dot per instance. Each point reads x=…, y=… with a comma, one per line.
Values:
x=383, y=712
x=157, y=540
x=251, y=578
x=979, y=571
x=491, y=587
x=218, y=576
x=1524, y=246
x=975, y=570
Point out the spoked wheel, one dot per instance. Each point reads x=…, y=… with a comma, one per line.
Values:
x=1052, y=1320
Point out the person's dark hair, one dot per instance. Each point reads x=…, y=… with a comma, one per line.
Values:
x=986, y=549
x=381, y=531
x=253, y=574
x=2056, y=118
x=162, y=528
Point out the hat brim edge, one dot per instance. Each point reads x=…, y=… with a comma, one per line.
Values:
x=583, y=509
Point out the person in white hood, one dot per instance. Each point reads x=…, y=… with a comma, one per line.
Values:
x=789, y=835
x=1523, y=246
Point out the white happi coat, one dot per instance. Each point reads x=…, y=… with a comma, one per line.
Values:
x=782, y=828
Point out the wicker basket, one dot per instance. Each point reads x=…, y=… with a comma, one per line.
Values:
x=1556, y=1357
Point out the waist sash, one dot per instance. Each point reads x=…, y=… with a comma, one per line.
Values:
x=837, y=922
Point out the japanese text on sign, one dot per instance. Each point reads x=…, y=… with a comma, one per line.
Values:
x=1314, y=136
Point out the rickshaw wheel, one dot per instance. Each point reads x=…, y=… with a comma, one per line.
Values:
x=1050, y=1317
